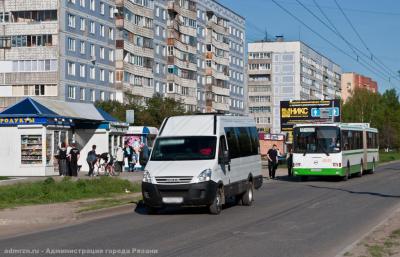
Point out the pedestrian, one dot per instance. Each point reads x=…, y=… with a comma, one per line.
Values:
x=128, y=152
x=144, y=155
x=91, y=160
x=74, y=154
x=272, y=161
x=69, y=147
x=120, y=158
x=289, y=162
x=62, y=160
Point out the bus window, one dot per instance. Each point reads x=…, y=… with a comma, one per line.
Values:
x=317, y=140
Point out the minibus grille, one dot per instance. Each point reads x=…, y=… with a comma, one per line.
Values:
x=173, y=180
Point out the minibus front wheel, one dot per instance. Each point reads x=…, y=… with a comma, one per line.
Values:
x=216, y=206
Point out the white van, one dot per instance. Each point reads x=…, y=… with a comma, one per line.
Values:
x=201, y=160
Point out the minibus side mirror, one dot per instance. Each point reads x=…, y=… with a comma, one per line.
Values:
x=226, y=159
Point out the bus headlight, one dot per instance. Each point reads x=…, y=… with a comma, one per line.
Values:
x=205, y=175
x=297, y=164
x=335, y=164
x=147, y=177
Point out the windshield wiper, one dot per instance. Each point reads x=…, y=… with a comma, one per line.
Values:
x=322, y=148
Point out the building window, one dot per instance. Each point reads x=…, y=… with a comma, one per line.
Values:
x=92, y=5
x=92, y=50
x=102, y=96
x=71, y=20
x=71, y=68
x=83, y=47
x=111, y=76
x=102, y=52
x=101, y=75
x=92, y=27
x=111, y=55
x=102, y=8
x=82, y=2
x=82, y=94
x=71, y=44
x=92, y=95
x=39, y=90
x=71, y=92
x=111, y=12
x=111, y=33
x=102, y=30
x=82, y=70
x=83, y=24
x=92, y=73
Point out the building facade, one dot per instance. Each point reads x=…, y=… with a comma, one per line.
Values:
x=282, y=71
x=352, y=80
x=90, y=50
x=57, y=49
x=205, y=56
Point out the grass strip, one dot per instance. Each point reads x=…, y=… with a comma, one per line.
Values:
x=51, y=191
x=388, y=156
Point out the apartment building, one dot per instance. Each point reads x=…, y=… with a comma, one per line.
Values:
x=57, y=49
x=352, y=80
x=281, y=71
x=89, y=50
x=205, y=53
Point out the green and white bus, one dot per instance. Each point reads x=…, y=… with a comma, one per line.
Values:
x=338, y=149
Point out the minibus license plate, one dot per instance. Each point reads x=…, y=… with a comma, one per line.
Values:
x=315, y=169
x=172, y=199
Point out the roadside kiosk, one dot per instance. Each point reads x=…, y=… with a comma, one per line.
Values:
x=33, y=129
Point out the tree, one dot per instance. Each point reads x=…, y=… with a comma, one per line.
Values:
x=381, y=111
x=152, y=113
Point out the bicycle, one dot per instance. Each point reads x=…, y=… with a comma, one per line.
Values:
x=106, y=168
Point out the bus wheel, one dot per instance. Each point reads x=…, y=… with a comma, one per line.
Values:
x=216, y=206
x=347, y=175
x=248, y=196
x=372, y=171
x=359, y=174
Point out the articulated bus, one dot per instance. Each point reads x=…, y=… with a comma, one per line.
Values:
x=338, y=149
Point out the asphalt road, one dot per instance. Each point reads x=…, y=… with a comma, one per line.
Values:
x=288, y=218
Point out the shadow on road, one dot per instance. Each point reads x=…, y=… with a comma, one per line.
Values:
x=356, y=192
x=176, y=210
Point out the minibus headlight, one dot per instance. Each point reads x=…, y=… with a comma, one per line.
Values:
x=147, y=177
x=205, y=175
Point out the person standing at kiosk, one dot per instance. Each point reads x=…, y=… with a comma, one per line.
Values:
x=74, y=154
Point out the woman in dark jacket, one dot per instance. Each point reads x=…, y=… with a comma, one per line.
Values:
x=62, y=160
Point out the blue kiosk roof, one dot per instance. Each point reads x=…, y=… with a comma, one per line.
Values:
x=46, y=108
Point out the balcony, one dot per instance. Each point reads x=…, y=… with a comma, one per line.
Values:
x=119, y=22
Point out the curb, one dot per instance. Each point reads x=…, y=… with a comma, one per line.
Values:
x=369, y=232
x=106, y=212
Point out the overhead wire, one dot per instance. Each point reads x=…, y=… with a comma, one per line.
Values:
x=362, y=40
x=373, y=70
x=336, y=31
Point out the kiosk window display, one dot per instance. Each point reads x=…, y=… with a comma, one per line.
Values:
x=31, y=149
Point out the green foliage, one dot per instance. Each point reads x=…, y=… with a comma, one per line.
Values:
x=50, y=191
x=382, y=111
x=152, y=113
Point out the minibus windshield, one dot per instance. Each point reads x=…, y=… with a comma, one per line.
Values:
x=317, y=139
x=184, y=148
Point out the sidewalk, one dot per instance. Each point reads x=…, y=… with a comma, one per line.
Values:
x=131, y=176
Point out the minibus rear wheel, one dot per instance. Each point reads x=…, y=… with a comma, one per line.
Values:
x=248, y=196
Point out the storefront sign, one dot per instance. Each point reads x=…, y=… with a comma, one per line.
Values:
x=21, y=121
x=308, y=111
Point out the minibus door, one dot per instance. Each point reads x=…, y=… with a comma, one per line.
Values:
x=224, y=162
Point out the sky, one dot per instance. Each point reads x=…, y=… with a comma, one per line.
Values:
x=377, y=22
